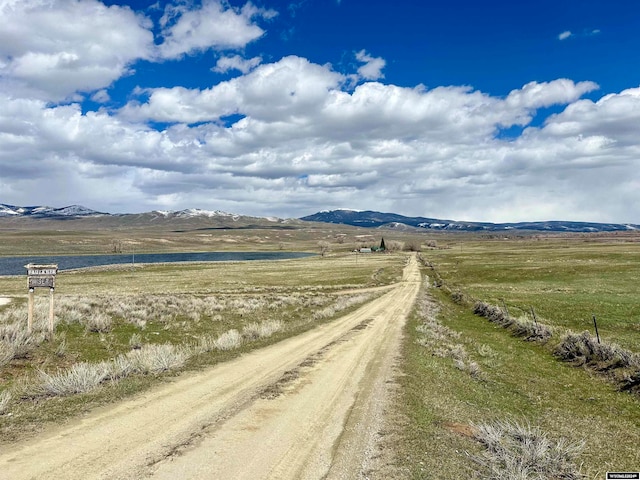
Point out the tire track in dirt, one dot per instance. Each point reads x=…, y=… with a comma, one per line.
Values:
x=308, y=407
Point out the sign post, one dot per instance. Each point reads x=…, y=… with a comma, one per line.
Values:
x=41, y=276
x=30, y=317
x=51, y=312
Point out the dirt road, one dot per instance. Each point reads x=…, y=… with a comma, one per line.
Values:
x=309, y=407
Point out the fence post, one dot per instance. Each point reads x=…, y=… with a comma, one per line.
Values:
x=595, y=324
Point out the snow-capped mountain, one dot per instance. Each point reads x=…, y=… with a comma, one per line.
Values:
x=44, y=211
x=196, y=212
x=187, y=218
x=8, y=211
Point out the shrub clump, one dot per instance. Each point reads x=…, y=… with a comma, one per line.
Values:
x=493, y=313
x=515, y=451
x=229, y=340
x=232, y=339
x=520, y=327
x=458, y=297
x=531, y=331
x=80, y=378
x=154, y=359
x=15, y=341
x=342, y=303
x=583, y=349
x=84, y=377
x=98, y=322
x=256, y=331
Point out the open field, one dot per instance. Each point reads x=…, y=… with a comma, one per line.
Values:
x=477, y=374
x=461, y=371
x=565, y=280
x=458, y=373
x=103, y=235
x=313, y=273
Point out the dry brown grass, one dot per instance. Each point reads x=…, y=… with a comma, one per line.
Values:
x=113, y=326
x=519, y=451
x=440, y=340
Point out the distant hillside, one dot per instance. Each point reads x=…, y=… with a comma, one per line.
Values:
x=373, y=219
x=78, y=217
x=44, y=212
x=193, y=219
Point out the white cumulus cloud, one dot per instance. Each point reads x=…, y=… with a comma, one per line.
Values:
x=236, y=62
x=372, y=68
x=289, y=86
x=54, y=49
x=213, y=25
x=416, y=151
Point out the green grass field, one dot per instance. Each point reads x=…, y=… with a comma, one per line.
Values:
x=566, y=281
x=519, y=381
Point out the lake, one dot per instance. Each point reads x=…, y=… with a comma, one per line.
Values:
x=15, y=265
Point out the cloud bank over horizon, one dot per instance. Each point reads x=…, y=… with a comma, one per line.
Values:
x=288, y=135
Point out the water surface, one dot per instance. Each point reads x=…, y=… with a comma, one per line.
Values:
x=15, y=265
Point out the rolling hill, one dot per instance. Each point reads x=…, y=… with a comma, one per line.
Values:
x=371, y=219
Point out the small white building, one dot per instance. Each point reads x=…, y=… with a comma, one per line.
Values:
x=365, y=250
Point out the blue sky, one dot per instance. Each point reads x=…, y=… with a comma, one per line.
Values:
x=494, y=46
x=487, y=111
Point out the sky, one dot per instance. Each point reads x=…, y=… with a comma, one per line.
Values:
x=465, y=110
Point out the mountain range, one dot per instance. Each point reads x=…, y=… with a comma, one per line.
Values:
x=366, y=219
x=373, y=219
x=80, y=211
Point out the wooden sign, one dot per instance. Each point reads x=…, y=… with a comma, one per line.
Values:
x=41, y=276
x=49, y=282
x=41, y=269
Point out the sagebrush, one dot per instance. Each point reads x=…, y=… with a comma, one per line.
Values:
x=516, y=450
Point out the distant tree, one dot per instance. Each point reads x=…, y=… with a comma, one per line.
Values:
x=383, y=247
x=324, y=247
x=394, y=246
x=116, y=246
x=413, y=246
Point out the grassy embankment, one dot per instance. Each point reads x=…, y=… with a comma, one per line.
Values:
x=107, y=320
x=473, y=372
